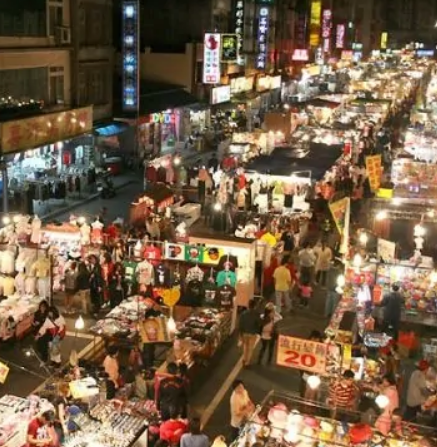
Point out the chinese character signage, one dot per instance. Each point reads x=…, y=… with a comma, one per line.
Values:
x=221, y=94
x=300, y=30
x=242, y=84
x=130, y=55
x=384, y=39
x=239, y=28
x=31, y=133
x=263, y=36
x=315, y=19
x=302, y=354
x=347, y=55
x=326, y=30
x=211, y=58
x=300, y=55
x=374, y=171
x=339, y=35
x=229, y=48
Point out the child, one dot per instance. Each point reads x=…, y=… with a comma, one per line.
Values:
x=306, y=292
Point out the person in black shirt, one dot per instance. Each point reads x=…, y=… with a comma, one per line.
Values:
x=40, y=316
x=171, y=393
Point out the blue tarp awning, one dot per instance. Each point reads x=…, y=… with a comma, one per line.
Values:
x=110, y=130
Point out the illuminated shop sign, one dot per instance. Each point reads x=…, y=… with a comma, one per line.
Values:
x=167, y=117
x=242, y=84
x=384, y=39
x=131, y=56
x=300, y=55
x=221, y=94
x=239, y=28
x=268, y=83
x=263, y=35
x=211, y=58
x=339, y=35
x=347, y=55
x=300, y=28
x=315, y=18
x=326, y=30
x=229, y=48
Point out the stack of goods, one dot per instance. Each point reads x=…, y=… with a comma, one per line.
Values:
x=15, y=415
x=108, y=411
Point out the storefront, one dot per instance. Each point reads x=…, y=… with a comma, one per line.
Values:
x=269, y=88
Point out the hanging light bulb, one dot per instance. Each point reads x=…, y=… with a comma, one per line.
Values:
x=217, y=206
x=341, y=281
x=358, y=260
x=363, y=238
x=381, y=215
x=382, y=401
x=314, y=382
x=433, y=277
x=6, y=220
x=79, y=324
x=419, y=230
x=171, y=325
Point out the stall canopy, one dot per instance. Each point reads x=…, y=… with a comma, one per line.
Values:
x=110, y=129
x=286, y=161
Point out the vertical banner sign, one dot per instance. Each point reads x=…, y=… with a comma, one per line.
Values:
x=384, y=39
x=339, y=36
x=315, y=19
x=131, y=56
x=326, y=30
x=263, y=36
x=339, y=210
x=239, y=28
x=302, y=354
x=374, y=171
x=300, y=28
x=229, y=48
x=211, y=58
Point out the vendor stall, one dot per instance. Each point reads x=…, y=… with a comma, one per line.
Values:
x=153, y=201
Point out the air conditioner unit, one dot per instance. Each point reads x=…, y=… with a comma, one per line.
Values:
x=62, y=35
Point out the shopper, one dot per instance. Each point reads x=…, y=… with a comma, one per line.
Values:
x=389, y=390
x=117, y=286
x=173, y=428
x=283, y=284
x=40, y=315
x=305, y=293
x=171, y=393
x=323, y=263
x=241, y=408
x=343, y=392
x=392, y=304
x=39, y=431
x=112, y=369
x=70, y=285
x=194, y=437
x=333, y=291
x=249, y=328
x=83, y=286
x=96, y=285
x=268, y=335
x=417, y=391
x=49, y=336
x=307, y=260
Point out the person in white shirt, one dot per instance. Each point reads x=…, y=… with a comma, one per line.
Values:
x=307, y=260
x=241, y=407
x=50, y=335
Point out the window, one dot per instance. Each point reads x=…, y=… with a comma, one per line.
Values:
x=93, y=85
x=23, y=18
x=24, y=84
x=57, y=89
x=55, y=18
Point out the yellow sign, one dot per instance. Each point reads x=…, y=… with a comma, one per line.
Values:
x=374, y=171
x=4, y=371
x=171, y=296
x=315, y=21
x=384, y=40
x=31, y=133
x=154, y=330
x=301, y=354
x=338, y=210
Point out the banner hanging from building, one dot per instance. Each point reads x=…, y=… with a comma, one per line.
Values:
x=130, y=56
x=326, y=30
x=340, y=36
x=263, y=37
x=239, y=29
x=315, y=20
x=229, y=48
x=374, y=171
x=211, y=58
x=338, y=210
x=384, y=40
x=299, y=353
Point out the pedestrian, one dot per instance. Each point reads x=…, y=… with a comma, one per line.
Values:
x=49, y=336
x=287, y=239
x=39, y=433
x=194, y=437
x=83, y=285
x=283, y=284
x=40, y=316
x=242, y=408
x=213, y=163
x=112, y=369
x=307, y=260
x=70, y=286
x=269, y=334
x=305, y=293
x=249, y=328
x=343, y=392
x=171, y=392
x=172, y=429
x=323, y=263
x=117, y=286
x=417, y=391
x=389, y=390
x=392, y=304
x=96, y=285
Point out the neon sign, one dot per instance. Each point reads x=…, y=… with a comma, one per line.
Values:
x=263, y=34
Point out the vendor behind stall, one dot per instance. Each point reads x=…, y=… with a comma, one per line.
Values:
x=111, y=366
x=40, y=432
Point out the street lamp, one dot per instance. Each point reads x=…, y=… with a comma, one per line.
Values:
x=382, y=401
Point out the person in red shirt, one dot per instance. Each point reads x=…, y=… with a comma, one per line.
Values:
x=39, y=432
x=172, y=429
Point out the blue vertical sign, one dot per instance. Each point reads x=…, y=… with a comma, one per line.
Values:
x=263, y=37
x=131, y=55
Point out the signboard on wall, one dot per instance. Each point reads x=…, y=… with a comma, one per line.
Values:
x=300, y=30
x=263, y=37
x=229, y=48
x=211, y=58
x=300, y=55
x=30, y=133
x=242, y=84
x=384, y=39
x=326, y=30
x=239, y=28
x=221, y=94
x=130, y=55
x=315, y=19
x=340, y=35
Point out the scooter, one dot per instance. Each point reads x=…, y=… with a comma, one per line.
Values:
x=106, y=189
